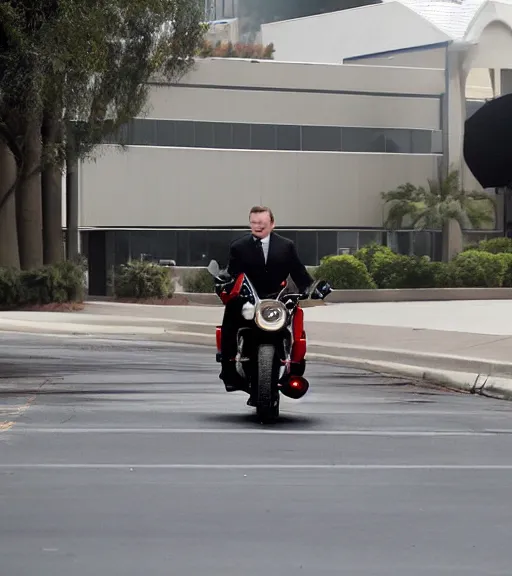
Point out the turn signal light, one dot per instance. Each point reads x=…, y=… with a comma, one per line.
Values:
x=295, y=387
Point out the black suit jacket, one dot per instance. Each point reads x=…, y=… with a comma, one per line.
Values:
x=245, y=256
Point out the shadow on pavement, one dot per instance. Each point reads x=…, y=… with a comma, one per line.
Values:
x=285, y=420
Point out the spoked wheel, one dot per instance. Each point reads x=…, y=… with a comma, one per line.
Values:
x=267, y=408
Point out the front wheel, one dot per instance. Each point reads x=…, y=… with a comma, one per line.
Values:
x=267, y=406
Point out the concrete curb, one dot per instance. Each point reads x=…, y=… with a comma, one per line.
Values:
x=380, y=295
x=474, y=376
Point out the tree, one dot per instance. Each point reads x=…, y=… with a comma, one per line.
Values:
x=86, y=67
x=438, y=206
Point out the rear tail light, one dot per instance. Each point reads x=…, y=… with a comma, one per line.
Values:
x=295, y=387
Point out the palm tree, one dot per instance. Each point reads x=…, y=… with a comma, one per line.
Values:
x=444, y=201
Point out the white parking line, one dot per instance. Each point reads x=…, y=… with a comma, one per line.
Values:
x=244, y=431
x=334, y=467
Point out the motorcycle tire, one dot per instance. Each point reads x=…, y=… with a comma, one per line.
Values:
x=267, y=408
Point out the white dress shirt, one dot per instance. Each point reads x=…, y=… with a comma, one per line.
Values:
x=265, y=243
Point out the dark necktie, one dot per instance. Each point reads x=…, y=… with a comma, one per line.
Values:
x=259, y=244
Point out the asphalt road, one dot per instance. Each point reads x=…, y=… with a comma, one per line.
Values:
x=130, y=459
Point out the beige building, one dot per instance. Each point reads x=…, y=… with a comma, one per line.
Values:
x=318, y=143
x=470, y=40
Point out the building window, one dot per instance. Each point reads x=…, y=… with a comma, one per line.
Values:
x=198, y=247
x=321, y=138
x=288, y=138
x=244, y=136
x=263, y=137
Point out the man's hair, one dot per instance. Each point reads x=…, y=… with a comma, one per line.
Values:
x=261, y=210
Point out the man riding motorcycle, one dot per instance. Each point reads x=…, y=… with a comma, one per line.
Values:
x=267, y=259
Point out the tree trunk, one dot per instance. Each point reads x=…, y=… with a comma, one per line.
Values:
x=452, y=239
x=9, y=255
x=28, y=201
x=51, y=186
x=71, y=201
x=51, y=189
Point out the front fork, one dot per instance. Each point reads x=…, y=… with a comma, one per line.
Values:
x=298, y=349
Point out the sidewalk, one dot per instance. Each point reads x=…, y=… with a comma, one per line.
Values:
x=466, y=345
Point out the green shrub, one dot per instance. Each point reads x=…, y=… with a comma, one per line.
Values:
x=493, y=246
x=474, y=268
x=10, y=288
x=198, y=282
x=367, y=254
x=397, y=271
x=442, y=274
x=345, y=273
x=506, y=258
x=59, y=283
x=143, y=280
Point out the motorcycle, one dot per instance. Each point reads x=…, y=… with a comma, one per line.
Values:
x=271, y=344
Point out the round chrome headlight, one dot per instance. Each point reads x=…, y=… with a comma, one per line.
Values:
x=271, y=315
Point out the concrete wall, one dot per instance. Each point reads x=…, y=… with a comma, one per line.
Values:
x=159, y=185
x=416, y=58
x=338, y=35
x=299, y=108
x=173, y=187
x=235, y=73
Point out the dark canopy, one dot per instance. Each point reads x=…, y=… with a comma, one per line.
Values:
x=488, y=143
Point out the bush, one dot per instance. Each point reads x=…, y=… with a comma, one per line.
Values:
x=367, y=254
x=474, y=268
x=345, y=273
x=506, y=258
x=143, y=280
x=395, y=271
x=10, y=288
x=493, y=246
x=59, y=283
x=198, y=282
x=443, y=275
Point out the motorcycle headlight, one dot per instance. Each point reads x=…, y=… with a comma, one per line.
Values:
x=271, y=315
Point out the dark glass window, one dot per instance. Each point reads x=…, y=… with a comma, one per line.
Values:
x=321, y=138
x=222, y=135
x=142, y=132
x=327, y=243
x=121, y=246
x=165, y=133
x=204, y=135
x=421, y=141
x=363, y=140
x=263, y=137
x=347, y=239
x=184, y=133
x=398, y=141
x=242, y=136
x=198, y=247
x=307, y=247
x=188, y=133
x=288, y=138
x=369, y=236
x=437, y=142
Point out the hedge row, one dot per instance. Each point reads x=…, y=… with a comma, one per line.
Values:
x=61, y=283
x=488, y=264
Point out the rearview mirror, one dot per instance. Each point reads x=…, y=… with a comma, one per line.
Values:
x=321, y=290
x=213, y=268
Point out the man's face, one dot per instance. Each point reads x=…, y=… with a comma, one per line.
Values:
x=261, y=225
